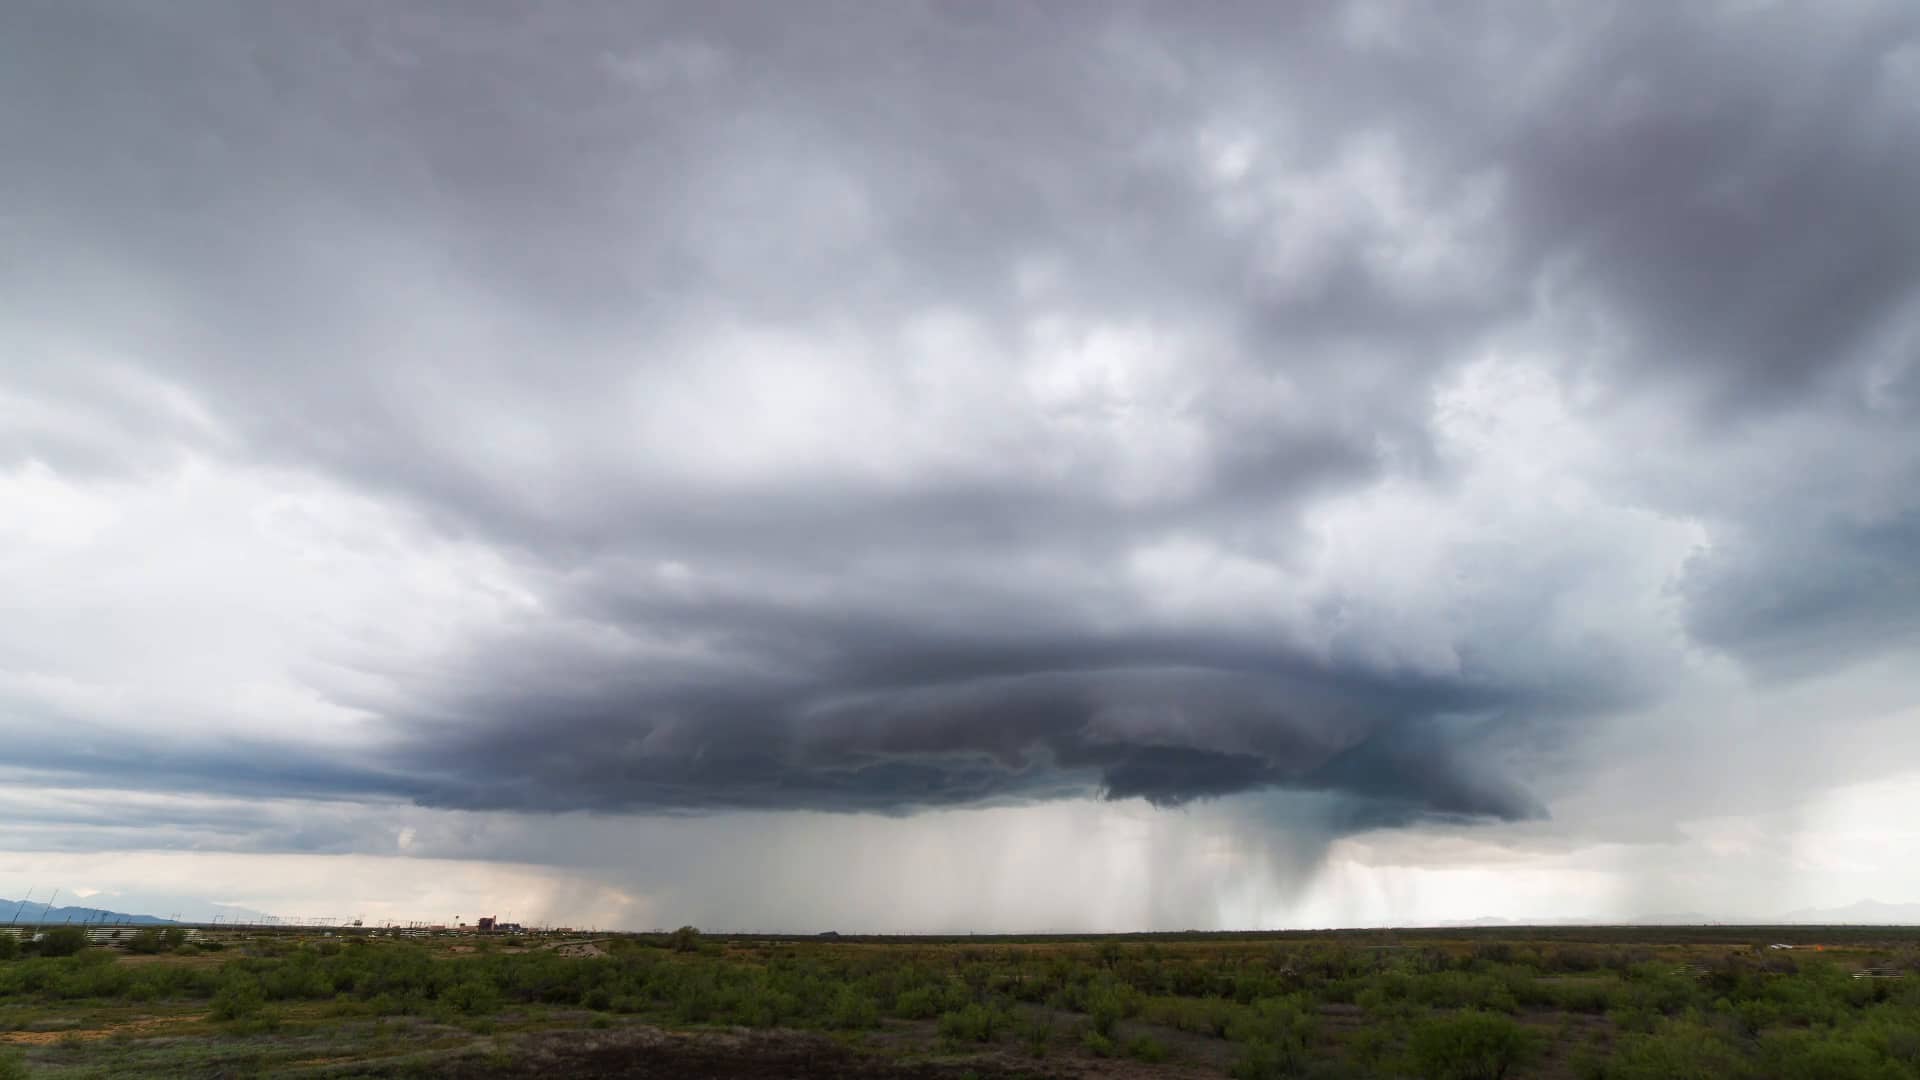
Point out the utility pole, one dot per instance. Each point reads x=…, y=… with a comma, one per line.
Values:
x=48, y=907
x=21, y=907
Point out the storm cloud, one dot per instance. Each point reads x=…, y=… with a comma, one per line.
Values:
x=664, y=409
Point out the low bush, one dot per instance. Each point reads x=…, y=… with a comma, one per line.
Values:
x=975, y=1023
x=1283, y=1022
x=1471, y=1046
x=1037, y=1034
x=919, y=1003
x=1146, y=1048
x=1202, y=1016
x=1676, y=1051
x=1261, y=1059
x=852, y=1010
x=237, y=999
x=1106, y=1007
x=474, y=997
x=60, y=941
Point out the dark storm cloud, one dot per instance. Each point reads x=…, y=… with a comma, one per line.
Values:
x=225, y=766
x=42, y=815
x=478, y=259
x=1803, y=596
x=842, y=712
x=1721, y=181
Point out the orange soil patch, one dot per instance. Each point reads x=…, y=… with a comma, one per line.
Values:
x=208, y=960
x=144, y=1025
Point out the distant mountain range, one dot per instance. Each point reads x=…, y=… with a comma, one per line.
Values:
x=1864, y=913
x=186, y=909
x=17, y=912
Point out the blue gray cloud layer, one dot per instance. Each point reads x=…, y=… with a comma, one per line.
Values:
x=738, y=330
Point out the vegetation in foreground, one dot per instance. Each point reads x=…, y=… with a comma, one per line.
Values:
x=1589, y=1004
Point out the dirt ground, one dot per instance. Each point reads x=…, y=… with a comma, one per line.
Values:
x=146, y=1025
x=653, y=1054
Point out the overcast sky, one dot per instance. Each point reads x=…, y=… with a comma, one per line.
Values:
x=961, y=465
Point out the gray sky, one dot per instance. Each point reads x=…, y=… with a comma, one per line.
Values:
x=955, y=465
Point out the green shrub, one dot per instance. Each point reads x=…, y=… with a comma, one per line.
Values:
x=1097, y=1044
x=1471, y=1046
x=13, y=1066
x=1146, y=1048
x=1634, y=1018
x=1896, y=1033
x=264, y=1022
x=1371, y=1043
x=1038, y=1035
x=1464, y=990
x=1382, y=1003
x=1677, y=1051
x=1583, y=995
x=1105, y=1008
x=919, y=1003
x=239, y=997
x=61, y=941
x=1825, y=1056
x=474, y=996
x=1212, y=1016
x=1261, y=1059
x=852, y=1010
x=1280, y=1021
x=146, y=942
x=1574, y=958
x=1755, y=1016
x=975, y=1023
x=1493, y=953
x=1654, y=985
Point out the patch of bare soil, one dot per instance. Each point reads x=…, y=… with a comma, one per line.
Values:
x=141, y=1026
x=651, y=1054
x=136, y=959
